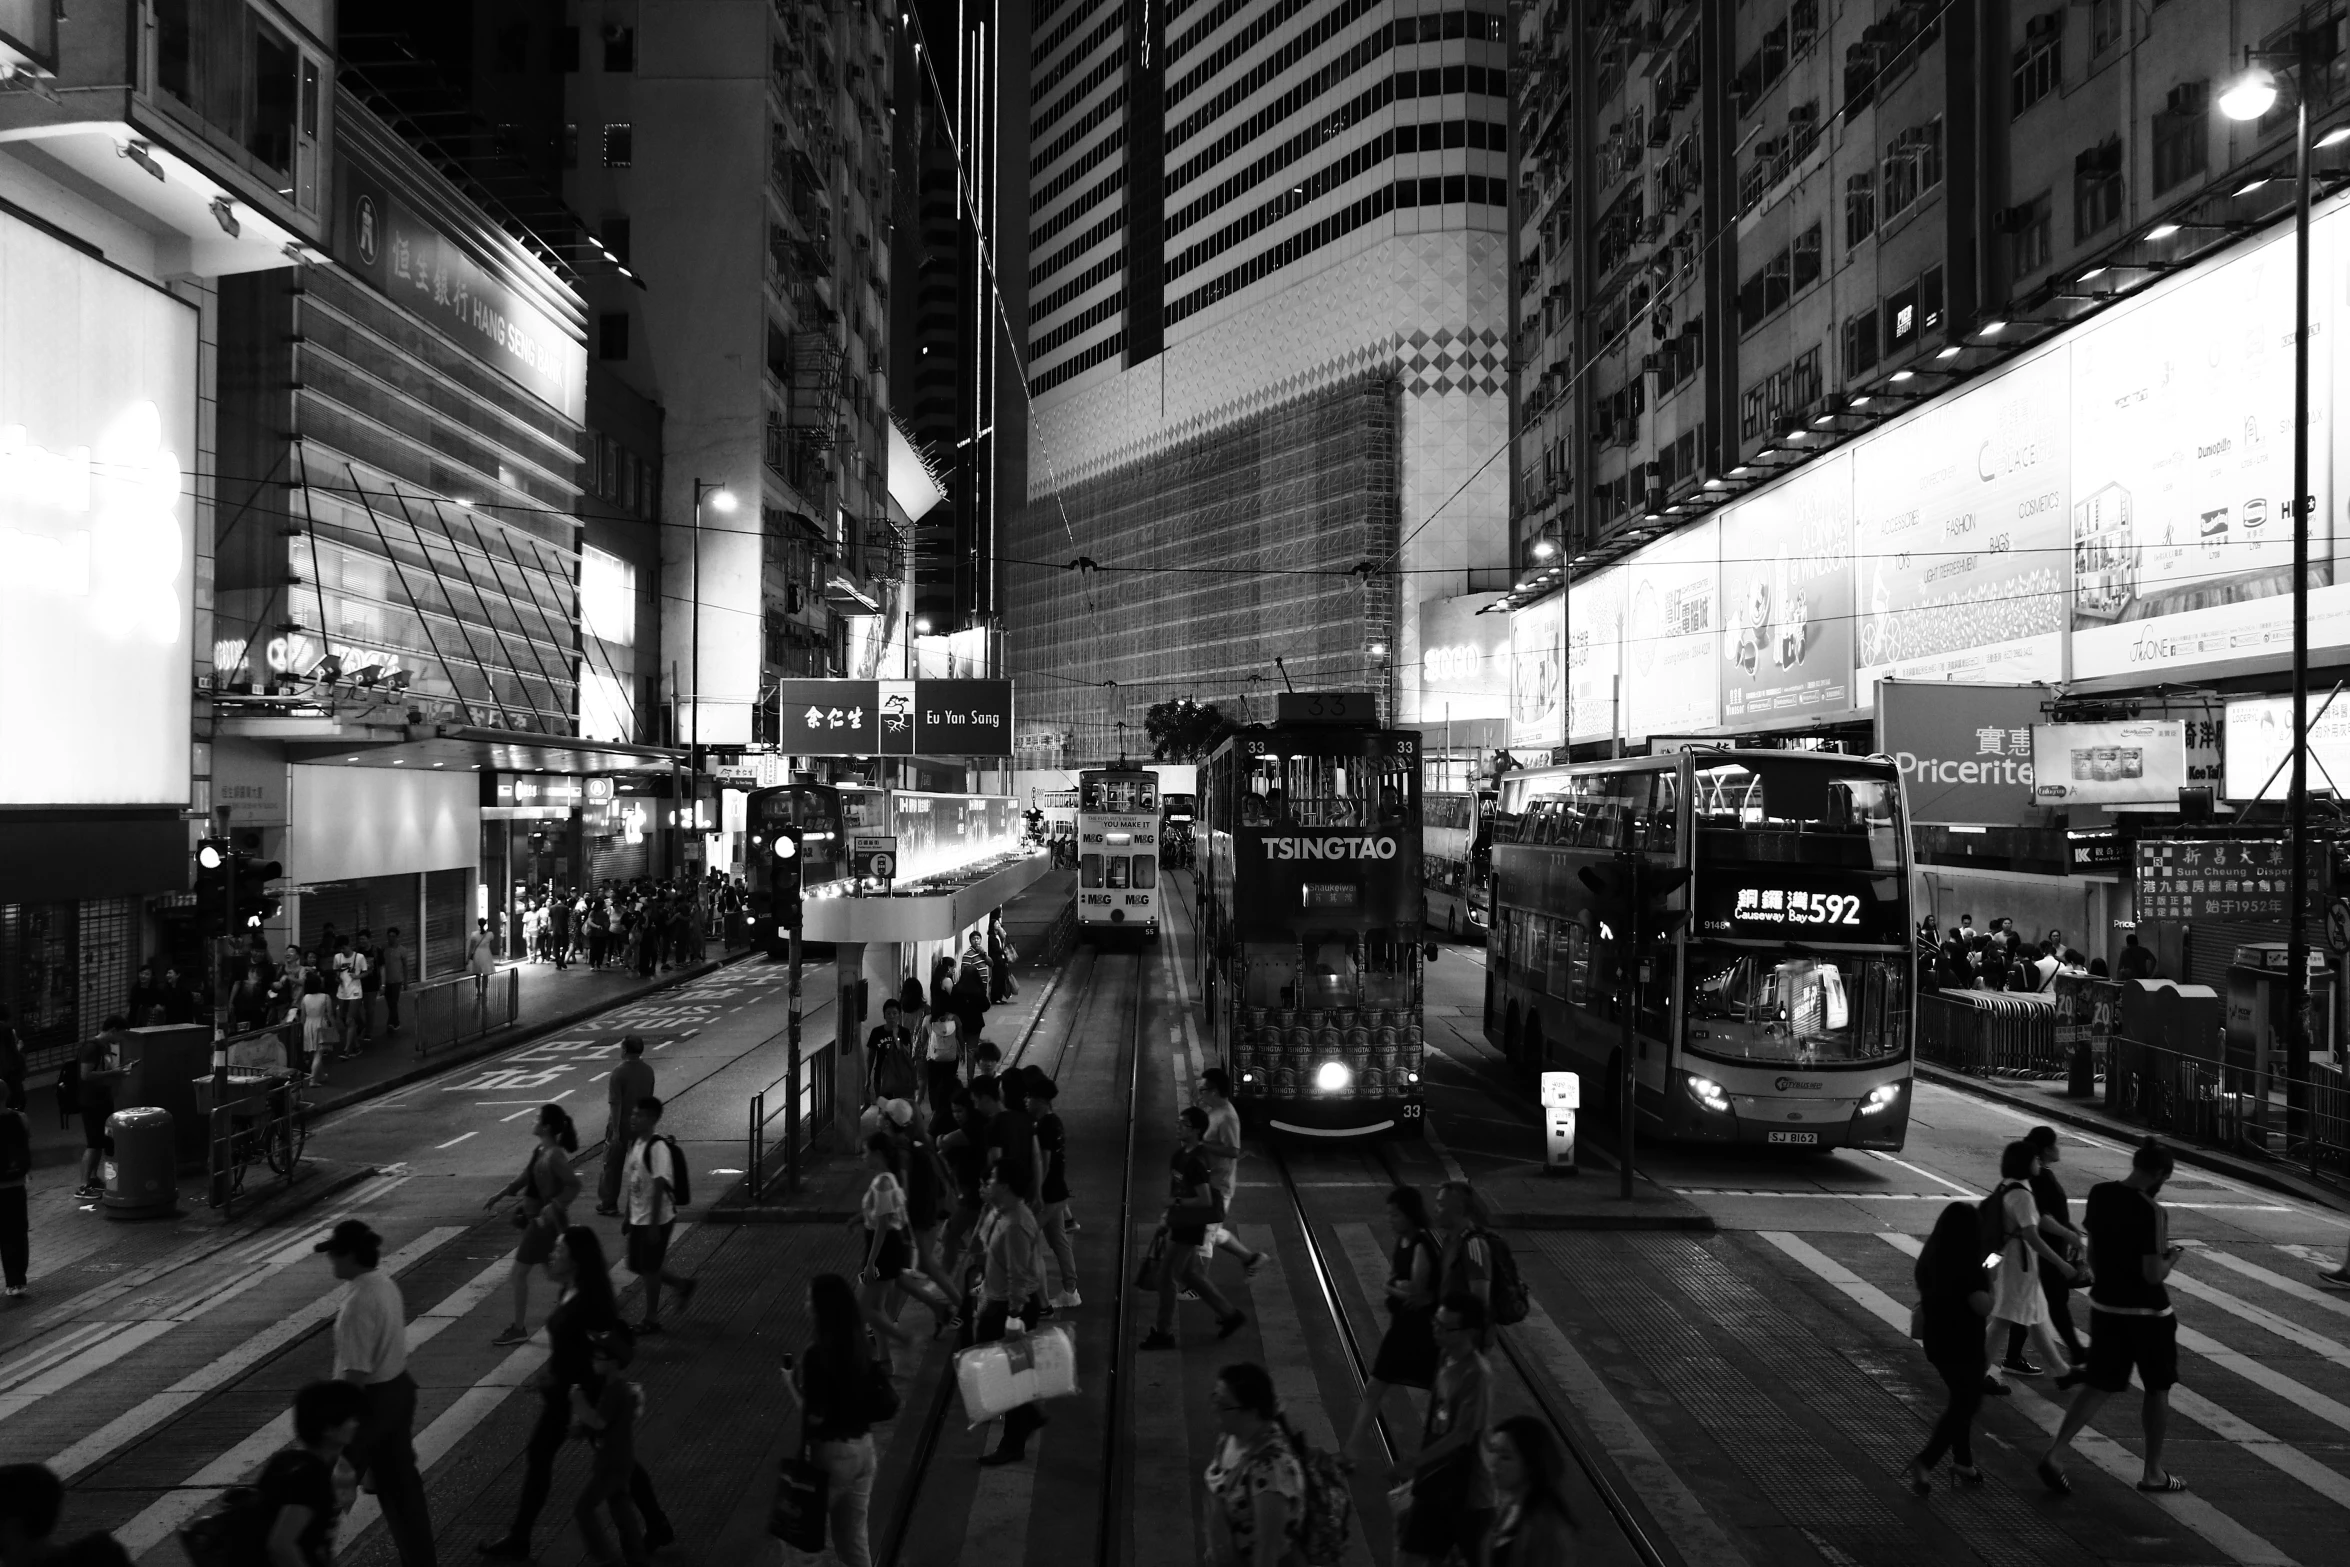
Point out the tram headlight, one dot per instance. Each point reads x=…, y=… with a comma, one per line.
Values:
x=1334, y=1077
x=1880, y=1097
x=1709, y=1093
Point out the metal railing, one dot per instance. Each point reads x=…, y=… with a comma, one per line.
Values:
x=463, y=1007
x=2203, y=1099
x=1988, y=1033
x=772, y=1104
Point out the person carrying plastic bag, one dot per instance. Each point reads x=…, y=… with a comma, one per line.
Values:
x=1007, y=1375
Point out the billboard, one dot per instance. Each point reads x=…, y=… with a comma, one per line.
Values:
x=895, y=717
x=1960, y=521
x=1464, y=659
x=1787, y=597
x=2182, y=414
x=1965, y=750
x=97, y=546
x=2213, y=879
x=1595, y=654
x=2260, y=740
x=1538, y=711
x=2136, y=762
x=1672, y=619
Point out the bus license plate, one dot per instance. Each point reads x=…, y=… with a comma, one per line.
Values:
x=1806, y=1139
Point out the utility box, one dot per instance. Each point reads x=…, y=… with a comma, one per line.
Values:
x=141, y=1173
x=1562, y=1097
x=2184, y=1019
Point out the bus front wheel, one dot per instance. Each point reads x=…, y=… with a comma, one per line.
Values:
x=1452, y=924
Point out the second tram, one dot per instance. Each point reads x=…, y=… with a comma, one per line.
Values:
x=1311, y=925
x=1782, y=1011
x=1117, y=851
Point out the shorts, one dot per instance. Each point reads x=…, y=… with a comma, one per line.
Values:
x=893, y=1256
x=1436, y=1528
x=537, y=1244
x=2150, y=1345
x=94, y=1127
x=647, y=1247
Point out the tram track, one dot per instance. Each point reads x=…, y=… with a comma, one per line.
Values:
x=1101, y=977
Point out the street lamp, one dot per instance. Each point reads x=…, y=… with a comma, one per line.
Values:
x=2250, y=96
x=721, y=500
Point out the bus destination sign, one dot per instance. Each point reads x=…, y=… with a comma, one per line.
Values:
x=1762, y=904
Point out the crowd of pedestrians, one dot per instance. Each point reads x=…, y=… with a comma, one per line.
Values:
x=640, y=927
x=2003, y=957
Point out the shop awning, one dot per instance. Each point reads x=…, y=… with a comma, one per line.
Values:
x=330, y=742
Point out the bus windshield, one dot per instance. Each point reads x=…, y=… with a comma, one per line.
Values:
x=1788, y=1005
x=1757, y=809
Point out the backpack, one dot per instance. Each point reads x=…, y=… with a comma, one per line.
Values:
x=1991, y=1219
x=1329, y=1505
x=1506, y=1288
x=893, y=1072
x=681, y=1184
x=232, y=1532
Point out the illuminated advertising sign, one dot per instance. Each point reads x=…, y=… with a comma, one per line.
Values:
x=1965, y=751
x=895, y=717
x=2212, y=878
x=97, y=438
x=2183, y=473
x=1671, y=625
x=1464, y=659
x=2260, y=740
x=1595, y=654
x=1961, y=522
x=1538, y=710
x=2138, y=762
x=1787, y=597
x=1762, y=902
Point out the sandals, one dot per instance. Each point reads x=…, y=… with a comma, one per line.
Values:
x=2168, y=1485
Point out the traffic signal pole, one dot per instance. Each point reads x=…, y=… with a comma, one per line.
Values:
x=1630, y=864
x=791, y=1046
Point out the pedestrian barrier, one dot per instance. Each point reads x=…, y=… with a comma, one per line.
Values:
x=2181, y=1096
x=1987, y=1033
x=772, y=1104
x=454, y=1011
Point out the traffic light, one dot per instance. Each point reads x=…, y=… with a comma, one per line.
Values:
x=212, y=876
x=783, y=876
x=249, y=879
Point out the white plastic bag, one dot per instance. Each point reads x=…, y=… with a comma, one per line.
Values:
x=1022, y=1369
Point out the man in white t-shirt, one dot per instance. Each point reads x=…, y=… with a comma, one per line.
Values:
x=1223, y=1152
x=371, y=1352
x=350, y=993
x=648, y=1211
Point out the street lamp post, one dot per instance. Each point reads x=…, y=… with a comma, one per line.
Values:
x=2250, y=97
x=722, y=499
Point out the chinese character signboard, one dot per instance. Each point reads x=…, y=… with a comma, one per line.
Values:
x=2212, y=878
x=895, y=717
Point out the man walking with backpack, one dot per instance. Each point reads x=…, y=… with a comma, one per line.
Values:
x=630, y=1081
x=653, y=1186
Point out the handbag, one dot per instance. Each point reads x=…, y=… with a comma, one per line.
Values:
x=801, y=1493
x=1154, y=1259
x=1917, y=1321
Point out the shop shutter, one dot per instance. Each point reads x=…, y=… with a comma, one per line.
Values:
x=375, y=903
x=614, y=859
x=2212, y=944
x=448, y=917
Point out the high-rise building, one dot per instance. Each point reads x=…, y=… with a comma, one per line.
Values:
x=1267, y=304
x=959, y=232
x=737, y=152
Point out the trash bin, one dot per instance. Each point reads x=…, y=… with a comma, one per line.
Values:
x=141, y=1171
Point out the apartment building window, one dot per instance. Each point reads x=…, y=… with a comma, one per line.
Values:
x=1779, y=396
x=612, y=335
x=2182, y=136
x=2028, y=236
x=1860, y=207
x=619, y=48
x=2097, y=188
x=1912, y=166
x=1860, y=345
x=619, y=145
x=778, y=353
x=2105, y=26
x=2039, y=64
x=1807, y=258
x=567, y=49
x=616, y=236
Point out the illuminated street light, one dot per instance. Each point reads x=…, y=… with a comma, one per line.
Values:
x=2250, y=95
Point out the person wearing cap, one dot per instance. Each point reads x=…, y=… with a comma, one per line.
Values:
x=371, y=1353
x=630, y=1081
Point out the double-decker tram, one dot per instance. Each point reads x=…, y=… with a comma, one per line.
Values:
x=1782, y=1009
x=1456, y=836
x=1117, y=851
x=1178, y=820
x=1311, y=925
x=815, y=809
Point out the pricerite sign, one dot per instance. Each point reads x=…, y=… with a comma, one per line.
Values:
x=1965, y=750
x=97, y=550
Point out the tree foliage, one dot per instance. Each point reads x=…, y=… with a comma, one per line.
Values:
x=1182, y=730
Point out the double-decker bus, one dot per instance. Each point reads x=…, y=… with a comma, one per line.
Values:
x=1117, y=851
x=1456, y=840
x=1311, y=925
x=815, y=809
x=1782, y=1010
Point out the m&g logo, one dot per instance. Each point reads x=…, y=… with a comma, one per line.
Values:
x=1329, y=848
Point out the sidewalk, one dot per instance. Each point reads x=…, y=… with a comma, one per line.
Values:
x=550, y=998
x=2048, y=1101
